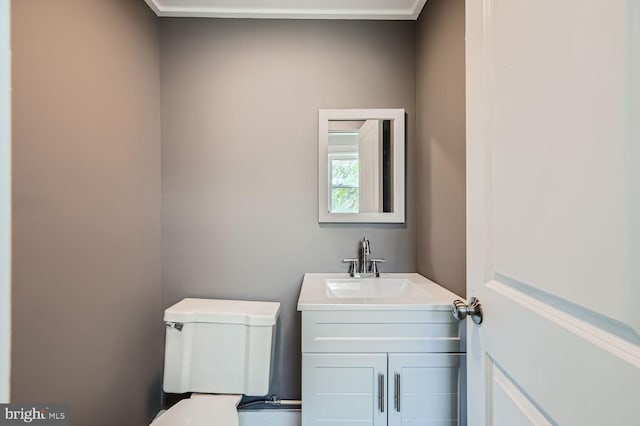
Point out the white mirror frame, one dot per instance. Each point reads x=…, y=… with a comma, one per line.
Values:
x=398, y=214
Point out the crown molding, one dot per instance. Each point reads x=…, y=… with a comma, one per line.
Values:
x=277, y=9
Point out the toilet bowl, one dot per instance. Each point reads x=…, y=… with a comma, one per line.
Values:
x=220, y=350
x=202, y=410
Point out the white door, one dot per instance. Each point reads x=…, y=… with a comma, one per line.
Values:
x=553, y=198
x=425, y=389
x=344, y=389
x=5, y=200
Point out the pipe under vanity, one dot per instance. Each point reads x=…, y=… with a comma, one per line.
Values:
x=364, y=266
x=273, y=401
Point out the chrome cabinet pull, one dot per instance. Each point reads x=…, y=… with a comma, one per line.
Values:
x=460, y=310
x=396, y=396
x=381, y=392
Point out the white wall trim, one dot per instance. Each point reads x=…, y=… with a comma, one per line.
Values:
x=5, y=200
x=274, y=11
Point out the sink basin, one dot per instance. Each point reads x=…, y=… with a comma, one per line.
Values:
x=372, y=288
x=391, y=291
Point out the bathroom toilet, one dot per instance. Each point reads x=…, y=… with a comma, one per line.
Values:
x=219, y=350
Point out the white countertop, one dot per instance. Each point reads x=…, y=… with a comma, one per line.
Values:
x=425, y=294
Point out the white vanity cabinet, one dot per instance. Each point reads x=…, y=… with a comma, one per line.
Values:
x=386, y=367
x=425, y=389
x=341, y=389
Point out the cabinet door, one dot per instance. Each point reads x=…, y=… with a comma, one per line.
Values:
x=344, y=389
x=425, y=389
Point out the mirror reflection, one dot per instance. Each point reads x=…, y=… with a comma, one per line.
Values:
x=360, y=161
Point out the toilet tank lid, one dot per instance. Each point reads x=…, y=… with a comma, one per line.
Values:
x=223, y=312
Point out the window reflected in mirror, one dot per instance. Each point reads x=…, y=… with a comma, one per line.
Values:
x=344, y=182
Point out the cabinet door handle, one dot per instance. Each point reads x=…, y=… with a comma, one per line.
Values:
x=381, y=392
x=396, y=396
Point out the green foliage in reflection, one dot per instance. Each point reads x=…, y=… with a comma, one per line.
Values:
x=344, y=200
x=344, y=182
x=344, y=172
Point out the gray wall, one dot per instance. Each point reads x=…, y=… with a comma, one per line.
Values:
x=240, y=101
x=440, y=81
x=86, y=209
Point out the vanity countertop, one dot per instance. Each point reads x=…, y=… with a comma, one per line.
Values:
x=391, y=291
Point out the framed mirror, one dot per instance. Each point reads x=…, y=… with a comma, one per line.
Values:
x=361, y=165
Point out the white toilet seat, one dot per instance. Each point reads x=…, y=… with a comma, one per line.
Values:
x=202, y=410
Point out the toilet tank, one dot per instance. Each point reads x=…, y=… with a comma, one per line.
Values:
x=219, y=346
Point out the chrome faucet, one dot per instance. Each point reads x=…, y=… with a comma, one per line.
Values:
x=364, y=267
x=365, y=251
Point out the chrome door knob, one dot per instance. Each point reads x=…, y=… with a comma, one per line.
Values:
x=460, y=310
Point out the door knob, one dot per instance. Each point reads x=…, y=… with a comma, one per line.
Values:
x=460, y=310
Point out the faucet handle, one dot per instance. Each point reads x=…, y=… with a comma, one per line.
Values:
x=353, y=266
x=374, y=266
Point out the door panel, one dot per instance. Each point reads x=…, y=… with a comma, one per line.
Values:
x=553, y=189
x=509, y=405
x=430, y=386
x=342, y=389
x=560, y=361
x=558, y=101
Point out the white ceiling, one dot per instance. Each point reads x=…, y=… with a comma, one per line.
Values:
x=290, y=9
